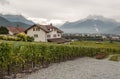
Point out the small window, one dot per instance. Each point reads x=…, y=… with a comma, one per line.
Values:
x=54, y=35
x=36, y=35
x=48, y=36
x=58, y=35
x=34, y=29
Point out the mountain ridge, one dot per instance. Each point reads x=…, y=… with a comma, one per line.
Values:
x=89, y=25
x=17, y=21
x=17, y=18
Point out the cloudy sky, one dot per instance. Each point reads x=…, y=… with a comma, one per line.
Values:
x=59, y=11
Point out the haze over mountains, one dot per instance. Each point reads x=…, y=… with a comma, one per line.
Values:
x=14, y=20
x=92, y=24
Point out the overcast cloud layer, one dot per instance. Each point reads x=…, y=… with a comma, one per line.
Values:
x=4, y=2
x=61, y=10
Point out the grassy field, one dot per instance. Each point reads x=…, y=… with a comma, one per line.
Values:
x=105, y=44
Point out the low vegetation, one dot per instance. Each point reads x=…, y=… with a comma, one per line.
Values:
x=19, y=57
x=18, y=37
x=3, y=30
x=115, y=58
x=97, y=44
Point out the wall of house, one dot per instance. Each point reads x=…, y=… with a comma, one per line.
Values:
x=54, y=32
x=11, y=33
x=41, y=35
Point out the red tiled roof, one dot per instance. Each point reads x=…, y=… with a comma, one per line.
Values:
x=15, y=30
x=46, y=28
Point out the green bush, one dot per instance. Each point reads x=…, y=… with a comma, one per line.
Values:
x=18, y=37
x=3, y=30
x=3, y=37
x=24, y=37
x=115, y=58
x=30, y=39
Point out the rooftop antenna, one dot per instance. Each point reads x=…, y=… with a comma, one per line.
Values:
x=51, y=24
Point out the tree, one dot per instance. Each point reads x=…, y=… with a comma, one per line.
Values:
x=3, y=30
x=30, y=39
x=24, y=37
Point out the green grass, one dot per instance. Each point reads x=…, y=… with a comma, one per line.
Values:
x=105, y=44
x=115, y=58
x=93, y=44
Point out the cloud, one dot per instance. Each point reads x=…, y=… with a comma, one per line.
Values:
x=38, y=20
x=65, y=10
x=46, y=21
x=4, y=2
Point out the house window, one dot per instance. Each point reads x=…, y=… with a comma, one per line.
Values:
x=48, y=36
x=58, y=35
x=54, y=35
x=36, y=35
x=36, y=29
x=33, y=28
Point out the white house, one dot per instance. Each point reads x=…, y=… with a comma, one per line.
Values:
x=45, y=33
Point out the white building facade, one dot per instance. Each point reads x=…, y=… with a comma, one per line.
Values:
x=43, y=32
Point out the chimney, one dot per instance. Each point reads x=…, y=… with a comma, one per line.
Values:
x=50, y=24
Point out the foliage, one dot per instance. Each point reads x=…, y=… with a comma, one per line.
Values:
x=19, y=56
x=18, y=37
x=5, y=52
x=115, y=58
x=30, y=39
x=24, y=37
x=104, y=44
x=3, y=30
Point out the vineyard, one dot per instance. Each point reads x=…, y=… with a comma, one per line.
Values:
x=23, y=57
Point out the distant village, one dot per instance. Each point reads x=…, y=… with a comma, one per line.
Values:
x=91, y=37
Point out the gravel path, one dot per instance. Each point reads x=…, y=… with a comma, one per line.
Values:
x=82, y=68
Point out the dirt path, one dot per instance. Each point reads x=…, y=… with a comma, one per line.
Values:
x=82, y=68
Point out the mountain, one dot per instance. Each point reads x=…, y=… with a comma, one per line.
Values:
x=20, y=24
x=17, y=18
x=91, y=24
x=14, y=20
x=5, y=22
x=115, y=30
